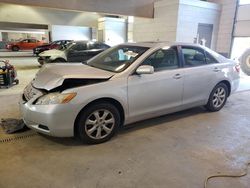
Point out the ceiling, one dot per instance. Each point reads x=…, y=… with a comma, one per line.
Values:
x=140, y=8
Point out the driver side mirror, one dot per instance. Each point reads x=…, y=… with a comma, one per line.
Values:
x=145, y=69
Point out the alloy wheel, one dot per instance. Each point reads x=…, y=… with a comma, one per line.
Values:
x=219, y=97
x=99, y=124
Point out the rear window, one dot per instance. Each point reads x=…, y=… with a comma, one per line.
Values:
x=210, y=59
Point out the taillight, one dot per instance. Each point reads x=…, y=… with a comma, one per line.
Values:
x=237, y=68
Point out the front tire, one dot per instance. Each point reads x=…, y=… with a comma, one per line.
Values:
x=217, y=98
x=98, y=123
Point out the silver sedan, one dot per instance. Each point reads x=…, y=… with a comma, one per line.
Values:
x=124, y=84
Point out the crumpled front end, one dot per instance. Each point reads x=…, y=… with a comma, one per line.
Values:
x=55, y=120
x=45, y=115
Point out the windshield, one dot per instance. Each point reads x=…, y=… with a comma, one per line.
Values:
x=118, y=58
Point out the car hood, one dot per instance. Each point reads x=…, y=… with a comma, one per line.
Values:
x=53, y=52
x=53, y=75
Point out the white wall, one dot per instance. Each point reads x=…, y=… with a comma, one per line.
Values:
x=177, y=20
x=37, y=15
x=114, y=30
x=61, y=32
x=242, y=31
x=162, y=27
x=193, y=12
x=240, y=44
x=130, y=33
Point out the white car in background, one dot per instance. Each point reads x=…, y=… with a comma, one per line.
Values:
x=124, y=84
x=77, y=51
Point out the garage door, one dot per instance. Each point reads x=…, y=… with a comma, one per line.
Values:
x=242, y=27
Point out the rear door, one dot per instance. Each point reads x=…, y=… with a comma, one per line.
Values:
x=200, y=75
x=155, y=94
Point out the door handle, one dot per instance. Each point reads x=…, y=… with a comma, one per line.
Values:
x=216, y=69
x=177, y=76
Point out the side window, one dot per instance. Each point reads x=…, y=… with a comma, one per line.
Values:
x=25, y=40
x=80, y=47
x=193, y=56
x=92, y=46
x=210, y=59
x=97, y=46
x=32, y=40
x=163, y=59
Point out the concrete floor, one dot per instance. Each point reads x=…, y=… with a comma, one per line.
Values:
x=178, y=150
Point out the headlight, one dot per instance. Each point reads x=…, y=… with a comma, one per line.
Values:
x=55, y=98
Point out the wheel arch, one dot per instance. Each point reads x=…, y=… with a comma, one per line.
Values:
x=228, y=84
x=113, y=101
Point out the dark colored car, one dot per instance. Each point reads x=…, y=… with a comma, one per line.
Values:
x=77, y=51
x=53, y=45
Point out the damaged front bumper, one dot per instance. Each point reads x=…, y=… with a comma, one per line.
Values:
x=54, y=120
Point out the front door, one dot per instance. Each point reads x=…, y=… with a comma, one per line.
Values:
x=155, y=94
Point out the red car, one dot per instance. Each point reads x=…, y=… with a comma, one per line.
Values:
x=25, y=44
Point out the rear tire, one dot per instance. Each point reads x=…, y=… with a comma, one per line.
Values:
x=217, y=98
x=15, y=48
x=98, y=123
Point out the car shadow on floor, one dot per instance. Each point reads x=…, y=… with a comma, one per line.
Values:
x=162, y=119
x=135, y=126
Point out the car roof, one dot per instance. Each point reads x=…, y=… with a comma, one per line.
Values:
x=151, y=44
x=84, y=41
